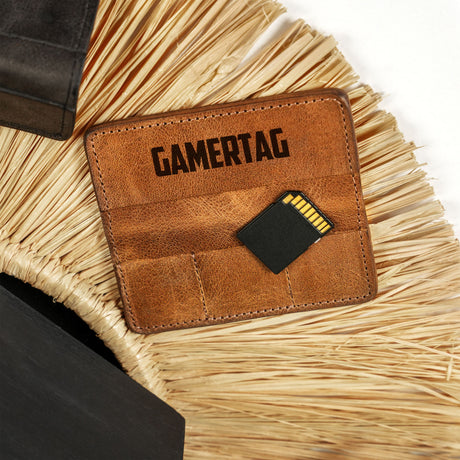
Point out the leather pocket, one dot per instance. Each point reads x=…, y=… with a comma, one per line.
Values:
x=210, y=222
x=185, y=252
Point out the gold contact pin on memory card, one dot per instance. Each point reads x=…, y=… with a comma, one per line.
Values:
x=287, y=198
x=320, y=227
x=300, y=204
x=296, y=199
x=317, y=221
x=305, y=208
x=313, y=217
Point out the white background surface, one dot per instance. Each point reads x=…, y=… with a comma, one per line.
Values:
x=408, y=50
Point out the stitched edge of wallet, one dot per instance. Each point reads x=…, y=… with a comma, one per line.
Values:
x=248, y=313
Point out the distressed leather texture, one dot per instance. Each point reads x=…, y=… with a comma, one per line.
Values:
x=173, y=239
x=43, y=46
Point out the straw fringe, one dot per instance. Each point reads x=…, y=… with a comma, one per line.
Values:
x=364, y=381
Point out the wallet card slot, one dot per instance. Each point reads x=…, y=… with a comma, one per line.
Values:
x=320, y=276
x=164, y=291
x=317, y=279
x=211, y=222
x=329, y=273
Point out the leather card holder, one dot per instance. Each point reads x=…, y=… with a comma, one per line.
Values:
x=43, y=47
x=174, y=189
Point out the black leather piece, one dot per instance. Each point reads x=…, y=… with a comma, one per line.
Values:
x=43, y=45
x=59, y=400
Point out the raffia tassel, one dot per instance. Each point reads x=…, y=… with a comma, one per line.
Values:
x=375, y=380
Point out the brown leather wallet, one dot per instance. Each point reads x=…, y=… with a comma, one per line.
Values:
x=174, y=189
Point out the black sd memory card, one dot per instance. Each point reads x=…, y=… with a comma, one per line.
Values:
x=285, y=230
